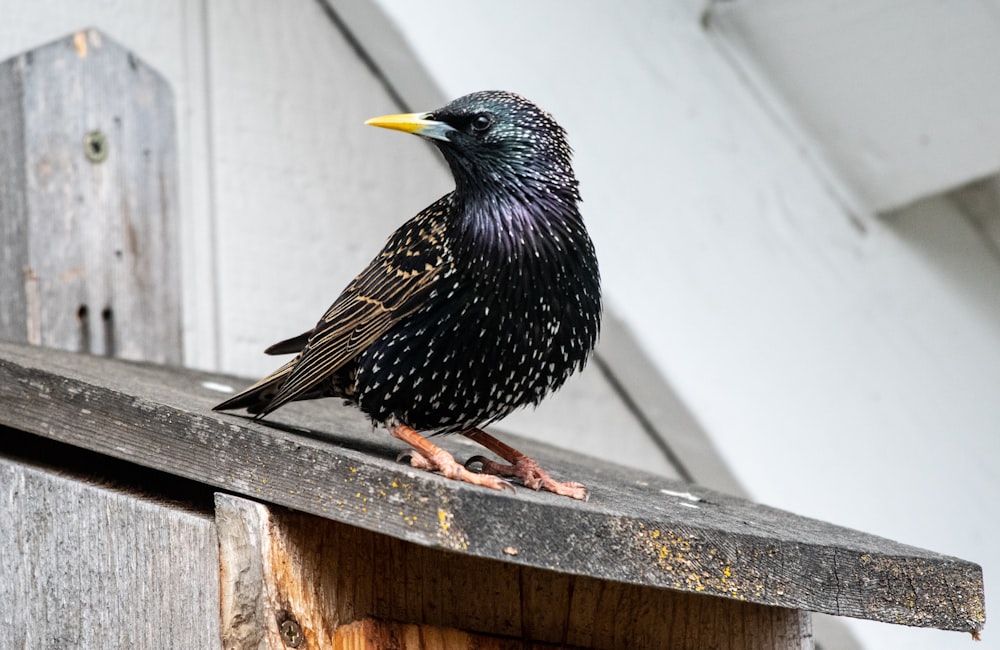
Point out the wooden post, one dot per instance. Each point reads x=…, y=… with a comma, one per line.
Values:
x=88, y=202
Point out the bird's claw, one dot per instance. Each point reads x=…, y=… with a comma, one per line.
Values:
x=416, y=460
x=531, y=475
x=446, y=464
x=488, y=466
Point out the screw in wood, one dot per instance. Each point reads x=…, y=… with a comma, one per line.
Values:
x=95, y=147
x=291, y=633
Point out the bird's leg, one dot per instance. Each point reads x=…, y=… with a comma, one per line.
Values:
x=431, y=457
x=521, y=467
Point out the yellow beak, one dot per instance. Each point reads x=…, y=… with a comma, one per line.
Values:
x=416, y=123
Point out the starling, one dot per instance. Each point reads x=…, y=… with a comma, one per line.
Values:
x=486, y=301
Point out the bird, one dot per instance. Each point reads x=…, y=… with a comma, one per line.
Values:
x=485, y=302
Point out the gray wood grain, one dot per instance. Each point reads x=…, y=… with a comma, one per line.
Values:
x=637, y=528
x=86, y=566
x=89, y=244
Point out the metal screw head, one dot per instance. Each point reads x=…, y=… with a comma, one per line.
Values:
x=291, y=633
x=95, y=147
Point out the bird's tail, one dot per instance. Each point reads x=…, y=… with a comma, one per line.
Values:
x=257, y=398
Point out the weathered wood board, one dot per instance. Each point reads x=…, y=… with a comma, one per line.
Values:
x=84, y=565
x=636, y=529
x=88, y=202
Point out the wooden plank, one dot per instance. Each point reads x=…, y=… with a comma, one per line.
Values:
x=251, y=616
x=15, y=284
x=169, y=36
x=638, y=528
x=88, y=566
x=316, y=576
x=90, y=250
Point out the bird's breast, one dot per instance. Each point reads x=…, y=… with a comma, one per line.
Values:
x=514, y=315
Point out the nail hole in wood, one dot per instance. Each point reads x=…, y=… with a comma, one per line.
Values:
x=95, y=146
x=108, y=317
x=83, y=315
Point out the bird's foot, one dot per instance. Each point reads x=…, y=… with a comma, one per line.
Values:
x=531, y=475
x=520, y=466
x=428, y=456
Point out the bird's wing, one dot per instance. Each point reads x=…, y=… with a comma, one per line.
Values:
x=394, y=285
x=257, y=397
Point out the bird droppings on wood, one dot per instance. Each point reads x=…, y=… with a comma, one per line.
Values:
x=218, y=387
x=451, y=536
x=911, y=603
x=682, y=495
x=692, y=565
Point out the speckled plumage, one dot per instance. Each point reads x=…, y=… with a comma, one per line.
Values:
x=484, y=302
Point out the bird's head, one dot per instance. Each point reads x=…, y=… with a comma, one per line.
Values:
x=496, y=142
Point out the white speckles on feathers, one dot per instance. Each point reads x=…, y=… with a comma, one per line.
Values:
x=487, y=300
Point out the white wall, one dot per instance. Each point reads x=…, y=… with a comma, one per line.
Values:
x=846, y=365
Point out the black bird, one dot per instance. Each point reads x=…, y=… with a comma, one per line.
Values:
x=486, y=301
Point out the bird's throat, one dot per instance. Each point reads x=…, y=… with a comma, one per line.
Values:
x=516, y=226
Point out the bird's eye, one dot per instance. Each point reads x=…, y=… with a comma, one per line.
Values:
x=481, y=123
